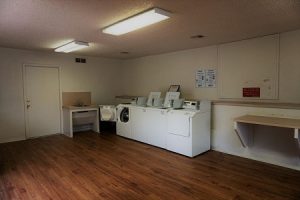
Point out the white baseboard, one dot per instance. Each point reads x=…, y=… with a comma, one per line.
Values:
x=14, y=139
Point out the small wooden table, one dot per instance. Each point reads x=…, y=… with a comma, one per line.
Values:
x=244, y=126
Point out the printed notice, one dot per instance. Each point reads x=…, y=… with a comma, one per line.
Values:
x=210, y=78
x=206, y=78
x=200, y=78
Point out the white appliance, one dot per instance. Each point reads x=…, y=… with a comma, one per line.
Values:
x=108, y=113
x=141, y=101
x=152, y=97
x=158, y=103
x=184, y=131
x=170, y=97
x=178, y=103
x=123, y=120
x=188, y=130
x=149, y=125
x=194, y=105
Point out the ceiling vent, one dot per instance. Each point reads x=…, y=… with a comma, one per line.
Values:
x=197, y=36
x=80, y=60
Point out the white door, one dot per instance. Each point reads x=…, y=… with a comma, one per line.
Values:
x=42, y=100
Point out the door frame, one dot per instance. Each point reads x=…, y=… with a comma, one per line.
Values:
x=24, y=93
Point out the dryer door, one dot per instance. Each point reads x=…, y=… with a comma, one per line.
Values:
x=107, y=114
x=124, y=115
x=179, y=123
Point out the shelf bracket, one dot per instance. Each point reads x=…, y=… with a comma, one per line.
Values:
x=296, y=136
x=296, y=133
x=244, y=132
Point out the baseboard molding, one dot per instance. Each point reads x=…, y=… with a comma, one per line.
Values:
x=14, y=139
x=30, y=138
x=258, y=159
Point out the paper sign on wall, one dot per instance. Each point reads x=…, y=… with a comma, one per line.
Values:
x=200, y=78
x=206, y=78
x=210, y=78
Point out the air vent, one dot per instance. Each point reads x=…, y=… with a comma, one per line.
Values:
x=197, y=36
x=80, y=60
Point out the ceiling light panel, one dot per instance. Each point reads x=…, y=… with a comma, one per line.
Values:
x=72, y=46
x=138, y=21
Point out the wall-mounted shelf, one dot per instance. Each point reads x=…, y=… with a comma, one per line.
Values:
x=244, y=126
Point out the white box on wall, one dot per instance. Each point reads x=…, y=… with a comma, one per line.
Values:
x=249, y=63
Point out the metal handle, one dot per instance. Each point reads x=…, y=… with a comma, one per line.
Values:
x=28, y=103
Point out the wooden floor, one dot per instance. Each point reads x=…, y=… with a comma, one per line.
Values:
x=111, y=167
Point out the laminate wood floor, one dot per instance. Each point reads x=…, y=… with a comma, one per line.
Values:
x=111, y=167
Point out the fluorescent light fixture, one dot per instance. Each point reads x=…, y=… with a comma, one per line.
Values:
x=138, y=21
x=72, y=46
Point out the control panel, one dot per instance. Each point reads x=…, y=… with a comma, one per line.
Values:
x=191, y=105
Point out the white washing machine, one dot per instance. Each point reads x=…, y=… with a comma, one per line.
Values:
x=123, y=120
x=188, y=130
x=108, y=113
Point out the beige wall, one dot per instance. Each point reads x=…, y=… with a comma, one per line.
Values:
x=289, y=63
x=156, y=73
x=97, y=76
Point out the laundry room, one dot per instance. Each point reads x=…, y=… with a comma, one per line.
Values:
x=149, y=99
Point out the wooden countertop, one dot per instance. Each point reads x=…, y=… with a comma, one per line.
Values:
x=80, y=108
x=258, y=104
x=270, y=121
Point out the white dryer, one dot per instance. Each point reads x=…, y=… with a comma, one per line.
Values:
x=123, y=120
x=108, y=113
x=188, y=130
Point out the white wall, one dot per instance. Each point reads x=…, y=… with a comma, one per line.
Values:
x=97, y=76
x=143, y=75
x=155, y=73
x=289, y=64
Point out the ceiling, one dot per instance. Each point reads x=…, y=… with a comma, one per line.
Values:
x=46, y=24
